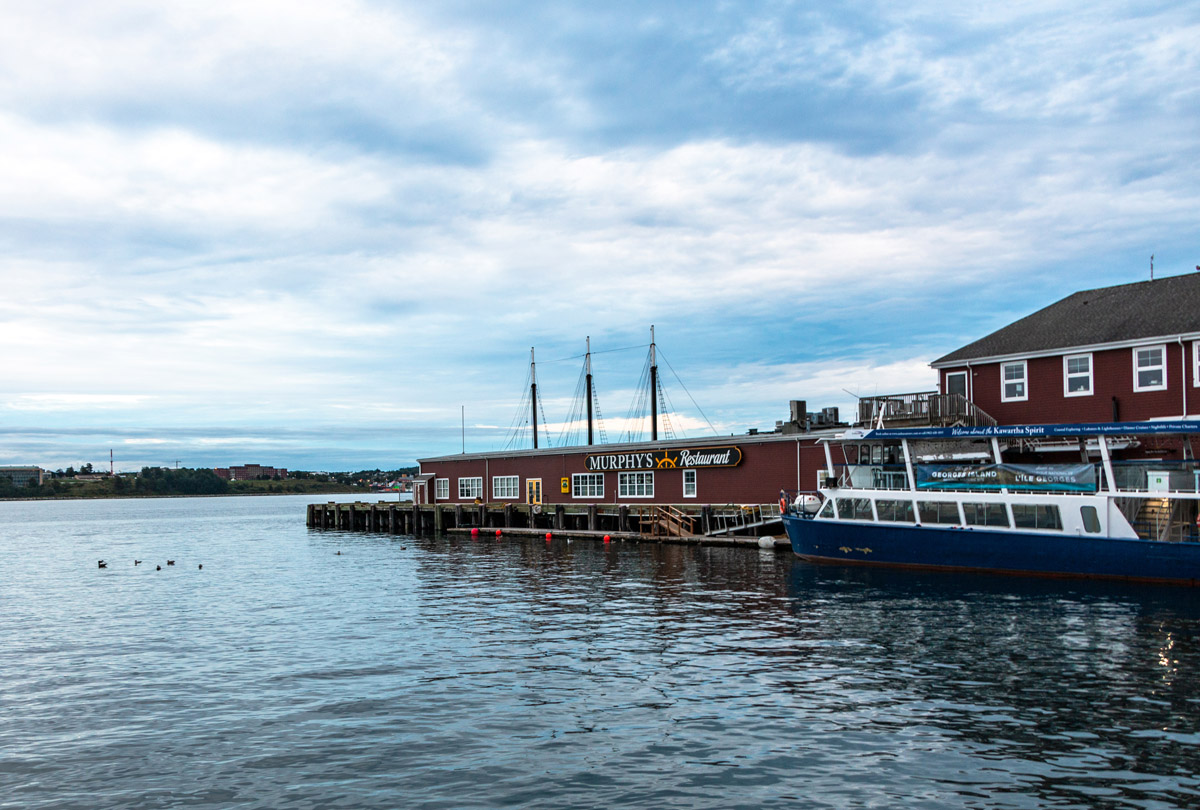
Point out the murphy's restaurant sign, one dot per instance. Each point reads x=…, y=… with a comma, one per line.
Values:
x=686, y=459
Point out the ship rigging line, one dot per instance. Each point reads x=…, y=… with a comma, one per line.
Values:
x=597, y=351
x=520, y=422
x=573, y=430
x=638, y=406
x=686, y=391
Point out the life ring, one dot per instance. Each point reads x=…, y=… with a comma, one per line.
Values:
x=537, y=508
x=783, y=504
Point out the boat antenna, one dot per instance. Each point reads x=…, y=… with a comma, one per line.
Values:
x=533, y=394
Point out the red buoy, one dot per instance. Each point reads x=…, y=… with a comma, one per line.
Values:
x=607, y=539
x=548, y=535
x=474, y=532
x=498, y=532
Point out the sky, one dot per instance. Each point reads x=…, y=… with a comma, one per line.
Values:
x=326, y=235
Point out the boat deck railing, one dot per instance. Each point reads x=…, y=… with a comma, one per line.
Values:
x=1141, y=478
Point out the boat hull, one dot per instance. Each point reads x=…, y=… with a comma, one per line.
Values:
x=1033, y=553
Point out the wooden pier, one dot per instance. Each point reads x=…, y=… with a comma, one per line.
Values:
x=729, y=524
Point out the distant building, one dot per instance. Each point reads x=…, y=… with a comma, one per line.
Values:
x=21, y=476
x=249, y=472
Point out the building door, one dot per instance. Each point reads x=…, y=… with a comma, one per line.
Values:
x=533, y=490
x=956, y=383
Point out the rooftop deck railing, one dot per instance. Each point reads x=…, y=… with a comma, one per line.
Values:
x=922, y=408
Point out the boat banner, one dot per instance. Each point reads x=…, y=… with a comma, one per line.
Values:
x=1160, y=427
x=666, y=459
x=1041, y=477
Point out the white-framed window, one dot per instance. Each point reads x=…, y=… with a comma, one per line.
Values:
x=470, y=488
x=1150, y=368
x=1077, y=375
x=689, y=483
x=1196, y=364
x=635, y=484
x=1012, y=381
x=587, y=485
x=506, y=487
x=441, y=488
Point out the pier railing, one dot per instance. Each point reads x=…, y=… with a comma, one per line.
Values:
x=922, y=409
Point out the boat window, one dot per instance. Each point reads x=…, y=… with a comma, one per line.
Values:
x=985, y=514
x=1091, y=520
x=854, y=509
x=827, y=509
x=1036, y=516
x=876, y=454
x=895, y=511
x=938, y=512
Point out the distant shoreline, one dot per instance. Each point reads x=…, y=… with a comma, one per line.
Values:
x=129, y=496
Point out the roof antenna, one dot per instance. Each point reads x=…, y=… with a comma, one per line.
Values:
x=1152, y=267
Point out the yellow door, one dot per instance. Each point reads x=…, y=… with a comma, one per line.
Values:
x=533, y=490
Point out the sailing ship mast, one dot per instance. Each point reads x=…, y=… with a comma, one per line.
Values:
x=587, y=362
x=533, y=395
x=653, y=388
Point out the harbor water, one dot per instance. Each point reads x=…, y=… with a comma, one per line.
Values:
x=498, y=672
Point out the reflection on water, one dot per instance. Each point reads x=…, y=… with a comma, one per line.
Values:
x=459, y=673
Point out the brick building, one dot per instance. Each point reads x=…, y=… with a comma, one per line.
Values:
x=249, y=472
x=747, y=469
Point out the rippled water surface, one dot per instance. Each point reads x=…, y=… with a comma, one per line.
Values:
x=519, y=673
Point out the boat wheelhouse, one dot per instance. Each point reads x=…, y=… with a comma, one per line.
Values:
x=1002, y=498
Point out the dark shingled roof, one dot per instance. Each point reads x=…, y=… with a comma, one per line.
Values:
x=1148, y=309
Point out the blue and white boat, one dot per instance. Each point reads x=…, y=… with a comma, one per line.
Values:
x=947, y=498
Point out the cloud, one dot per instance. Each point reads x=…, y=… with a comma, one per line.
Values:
x=362, y=215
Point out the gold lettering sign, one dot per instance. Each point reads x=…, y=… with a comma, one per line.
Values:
x=685, y=459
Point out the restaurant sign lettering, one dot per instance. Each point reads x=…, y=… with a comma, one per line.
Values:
x=686, y=459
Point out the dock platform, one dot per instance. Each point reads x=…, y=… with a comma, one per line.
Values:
x=718, y=524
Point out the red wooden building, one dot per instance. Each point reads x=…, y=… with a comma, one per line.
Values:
x=1125, y=353
x=748, y=469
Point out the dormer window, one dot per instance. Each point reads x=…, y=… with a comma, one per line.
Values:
x=1013, y=376
x=1150, y=368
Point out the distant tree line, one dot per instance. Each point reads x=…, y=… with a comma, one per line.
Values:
x=166, y=481
x=187, y=481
